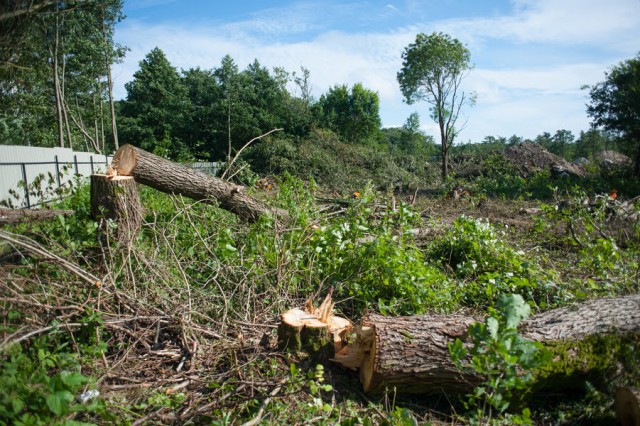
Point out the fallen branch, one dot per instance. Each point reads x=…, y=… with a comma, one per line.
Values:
x=627, y=403
x=33, y=247
x=8, y=216
x=243, y=147
x=263, y=406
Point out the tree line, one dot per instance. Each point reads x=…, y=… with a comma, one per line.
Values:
x=56, y=90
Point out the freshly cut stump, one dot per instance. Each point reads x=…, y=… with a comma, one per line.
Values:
x=627, y=403
x=116, y=198
x=313, y=330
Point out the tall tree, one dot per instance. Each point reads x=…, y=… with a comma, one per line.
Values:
x=590, y=143
x=433, y=69
x=353, y=114
x=56, y=66
x=615, y=104
x=155, y=105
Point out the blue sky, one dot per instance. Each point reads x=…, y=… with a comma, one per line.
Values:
x=531, y=57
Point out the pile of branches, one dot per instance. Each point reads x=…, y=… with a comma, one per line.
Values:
x=154, y=340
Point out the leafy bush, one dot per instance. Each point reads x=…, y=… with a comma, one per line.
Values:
x=474, y=252
x=335, y=164
x=40, y=387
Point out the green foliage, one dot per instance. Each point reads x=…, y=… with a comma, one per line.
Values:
x=614, y=103
x=156, y=102
x=40, y=387
x=504, y=179
x=334, y=164
x=503, y=359
x=70, y=42
x=351, y=114
x=41, y=189
x=474, y=252
x=373, y=263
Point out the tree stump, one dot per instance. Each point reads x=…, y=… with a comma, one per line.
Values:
x=116, y=198
x=412, y=353
x=173, y=178
x=313, y=330
x=627, y=403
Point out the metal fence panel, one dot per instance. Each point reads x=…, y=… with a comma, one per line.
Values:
x=58, y=165
x=26, y=163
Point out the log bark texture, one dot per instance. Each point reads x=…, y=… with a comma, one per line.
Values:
x=172, y=178
x=411, y=353
x=116, y=198
x=8, y=216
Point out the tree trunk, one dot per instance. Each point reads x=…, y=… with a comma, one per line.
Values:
x=116, y=198
x=627, y=403
x=112, y=111
x=412, y=355
x=56, y=89
x=172, y=178
x=25, y=215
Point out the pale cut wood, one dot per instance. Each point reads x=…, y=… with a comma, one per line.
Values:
x=315, y=330
x=173, y=178
x=411, y=353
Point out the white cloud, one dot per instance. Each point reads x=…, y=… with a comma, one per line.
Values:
x=572, y=43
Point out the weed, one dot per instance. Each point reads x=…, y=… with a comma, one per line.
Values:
x=503, y=358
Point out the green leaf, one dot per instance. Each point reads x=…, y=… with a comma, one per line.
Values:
x=73, y=379
x=514, y=309
x=59, y=401
x=492, y=327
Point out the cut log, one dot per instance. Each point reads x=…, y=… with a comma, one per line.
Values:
x=172, y=178
x=627, y=403
x=8, y=216
x=315, y=330
x=116, y=198
x=412, y=355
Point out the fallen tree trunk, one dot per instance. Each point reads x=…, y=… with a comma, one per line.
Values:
x=412, y=355
x=116, y=198
x=172, y=178
x=8, y=216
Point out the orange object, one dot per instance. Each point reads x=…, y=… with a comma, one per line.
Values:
x=613, y=194
x=356, y=195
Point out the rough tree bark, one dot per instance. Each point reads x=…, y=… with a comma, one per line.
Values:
x=172, y=178
x=25, y=215
x=116, y=198
x=411, y=353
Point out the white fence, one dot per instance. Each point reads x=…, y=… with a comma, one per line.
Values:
x=21, y=166
x=57, y=166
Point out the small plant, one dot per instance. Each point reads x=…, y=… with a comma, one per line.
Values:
x=43, y=188
x=503, y=358
x=40, y=387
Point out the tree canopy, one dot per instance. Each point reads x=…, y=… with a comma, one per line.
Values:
x=432, y=71
x=352, y=114
x=615, y=104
